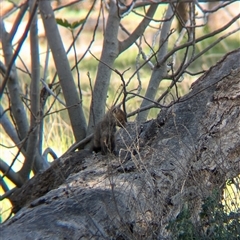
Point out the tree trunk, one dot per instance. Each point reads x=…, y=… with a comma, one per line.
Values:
x=172, y=162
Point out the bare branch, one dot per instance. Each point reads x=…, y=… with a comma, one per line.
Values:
x=51, y=92
x=17, y=108
x=11, y=62
x=51, y=152
x=139, y=30
x=8, y=127
x=109, y=53
x=76, y=114
x=35, y=99
x=160, y=69
x=18, y=20
x=8, y=172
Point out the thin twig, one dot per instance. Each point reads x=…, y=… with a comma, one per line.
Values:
x=2, y=87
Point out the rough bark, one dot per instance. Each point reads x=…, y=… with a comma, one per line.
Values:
x=191, y=148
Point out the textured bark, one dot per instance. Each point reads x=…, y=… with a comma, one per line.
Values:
x=177, y=159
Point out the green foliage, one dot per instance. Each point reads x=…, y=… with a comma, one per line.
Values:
x=214, y=222
x=66, y=24
x=217, y=222
x=182, y=227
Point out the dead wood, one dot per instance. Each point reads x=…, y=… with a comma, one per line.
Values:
x=179, y=158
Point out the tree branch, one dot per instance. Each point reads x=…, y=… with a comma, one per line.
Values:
x=71, y=97
x=35, y=100
x=109, y=53
x=139, y=30
x=160, y=69
x=13, y=58
x=9, y=173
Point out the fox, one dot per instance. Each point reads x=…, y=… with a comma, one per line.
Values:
x=104, y=132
